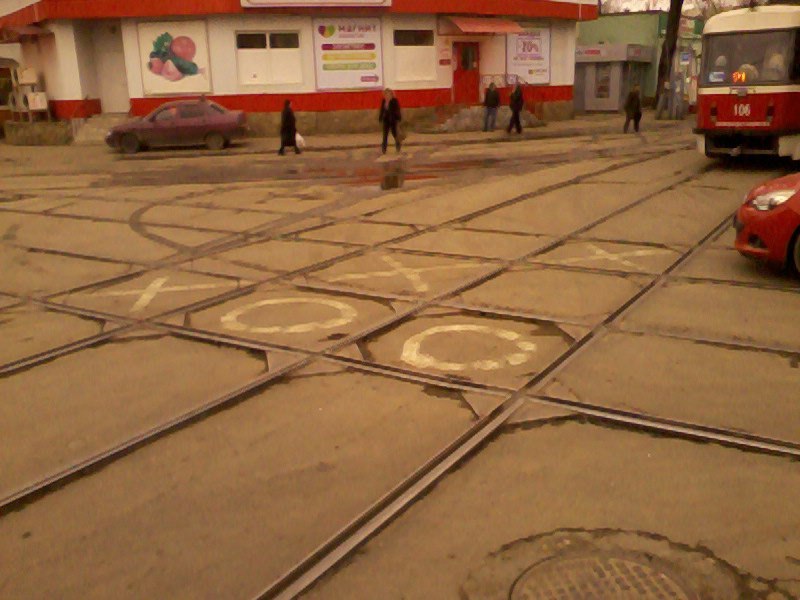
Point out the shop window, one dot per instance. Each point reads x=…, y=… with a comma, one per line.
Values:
x=269, y=58
x=251, y=41
x=284, y=41
x=413, y=37
x=414, y=55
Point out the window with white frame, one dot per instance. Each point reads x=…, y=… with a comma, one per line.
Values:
x=415, y=55
x=269, y=57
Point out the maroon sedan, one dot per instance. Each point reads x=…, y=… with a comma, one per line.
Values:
x=768, y=223
x=182, y=123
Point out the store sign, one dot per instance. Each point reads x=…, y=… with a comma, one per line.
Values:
x=174, y=57
x=314, y=3
x=529, y=55
x=590, y=52
x=348, y=53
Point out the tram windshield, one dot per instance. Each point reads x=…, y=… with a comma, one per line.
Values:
x=745, y=58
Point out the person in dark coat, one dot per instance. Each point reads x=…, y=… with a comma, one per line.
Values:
x=633, y=109
x=517, y=103
x=390, y=117
x=288, y=129
x=491, y=102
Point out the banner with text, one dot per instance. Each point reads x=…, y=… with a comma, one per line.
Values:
x=528, y=59
x=348, y=53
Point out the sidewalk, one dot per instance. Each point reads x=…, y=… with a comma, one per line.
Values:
x=16, y=160
x=582, y=126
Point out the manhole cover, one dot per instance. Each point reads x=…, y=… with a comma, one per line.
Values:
x=585, y=577
x=571, y=564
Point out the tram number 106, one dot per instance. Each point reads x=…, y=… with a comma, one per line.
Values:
x=741, y=110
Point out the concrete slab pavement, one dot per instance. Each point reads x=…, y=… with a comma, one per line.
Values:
x=667, y=498
x=27, y=330
x=738, y=389
x=81, y=404
x=234, y=501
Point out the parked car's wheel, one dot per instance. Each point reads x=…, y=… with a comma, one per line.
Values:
x=215, y=141
x=794, y=253
x=129, y=143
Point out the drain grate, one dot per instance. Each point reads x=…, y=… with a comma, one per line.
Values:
x=597, y=577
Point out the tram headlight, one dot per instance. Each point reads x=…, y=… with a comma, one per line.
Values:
x=771, y=200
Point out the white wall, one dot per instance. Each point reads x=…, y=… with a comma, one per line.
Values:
x=563, y=38
x=222, y=48
x=223, y=55
x=55, y=59
x=433, y=75
x=84, y=48
x=12, y=51
x=109, y=66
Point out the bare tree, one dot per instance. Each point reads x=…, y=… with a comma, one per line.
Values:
x=670, y=43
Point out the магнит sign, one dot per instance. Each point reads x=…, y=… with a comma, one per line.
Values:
x=348, y=53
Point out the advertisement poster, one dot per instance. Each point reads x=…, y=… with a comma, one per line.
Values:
x=529, y=56
x=174, y=58
x=348, y=53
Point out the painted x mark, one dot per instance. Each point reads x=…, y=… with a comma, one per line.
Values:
x=412, y=274
x=616, y=257
x=156, y=287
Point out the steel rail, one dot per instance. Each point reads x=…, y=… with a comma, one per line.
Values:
x=675, y=427
x=324, y=558
x=60, y=478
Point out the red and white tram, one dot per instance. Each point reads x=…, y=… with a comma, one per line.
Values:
x=748, y=98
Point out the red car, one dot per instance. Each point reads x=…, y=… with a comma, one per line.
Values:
x=182, y=123
x=768, y=223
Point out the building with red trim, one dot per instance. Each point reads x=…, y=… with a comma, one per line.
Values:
x=114, y=56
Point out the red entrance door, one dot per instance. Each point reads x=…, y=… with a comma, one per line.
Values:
x=467, y=76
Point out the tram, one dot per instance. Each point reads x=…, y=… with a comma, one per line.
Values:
x=748, y=100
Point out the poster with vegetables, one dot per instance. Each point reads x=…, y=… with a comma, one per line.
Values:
x=174, y=58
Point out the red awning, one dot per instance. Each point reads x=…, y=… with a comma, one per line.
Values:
x=485, y=25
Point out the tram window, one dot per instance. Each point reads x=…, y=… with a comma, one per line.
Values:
x=749, y=58
x=796, y=61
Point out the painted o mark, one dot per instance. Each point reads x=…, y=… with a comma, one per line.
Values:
x=412, y=354
x=346, y=315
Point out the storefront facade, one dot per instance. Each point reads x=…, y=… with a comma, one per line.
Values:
x=645, y=30
x=108, y=56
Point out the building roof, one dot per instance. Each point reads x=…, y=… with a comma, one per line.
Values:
x=24, y=12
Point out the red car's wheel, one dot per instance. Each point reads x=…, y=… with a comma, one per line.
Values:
x=794, y=253
x=215, y=141
x=129, y=143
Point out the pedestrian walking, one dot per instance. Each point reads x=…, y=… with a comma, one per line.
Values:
x=288, y=129
x=517, y=103
x=390, y=117
x=633, y=109
x=491, y=102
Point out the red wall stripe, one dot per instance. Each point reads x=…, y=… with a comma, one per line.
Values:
x=75, y=109
x=330, y=101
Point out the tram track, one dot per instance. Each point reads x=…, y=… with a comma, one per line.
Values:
x=500, y=265
x=356, y=533
x=56, y=480
x=387, y=508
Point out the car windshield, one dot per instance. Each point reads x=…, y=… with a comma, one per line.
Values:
x=759, y=57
